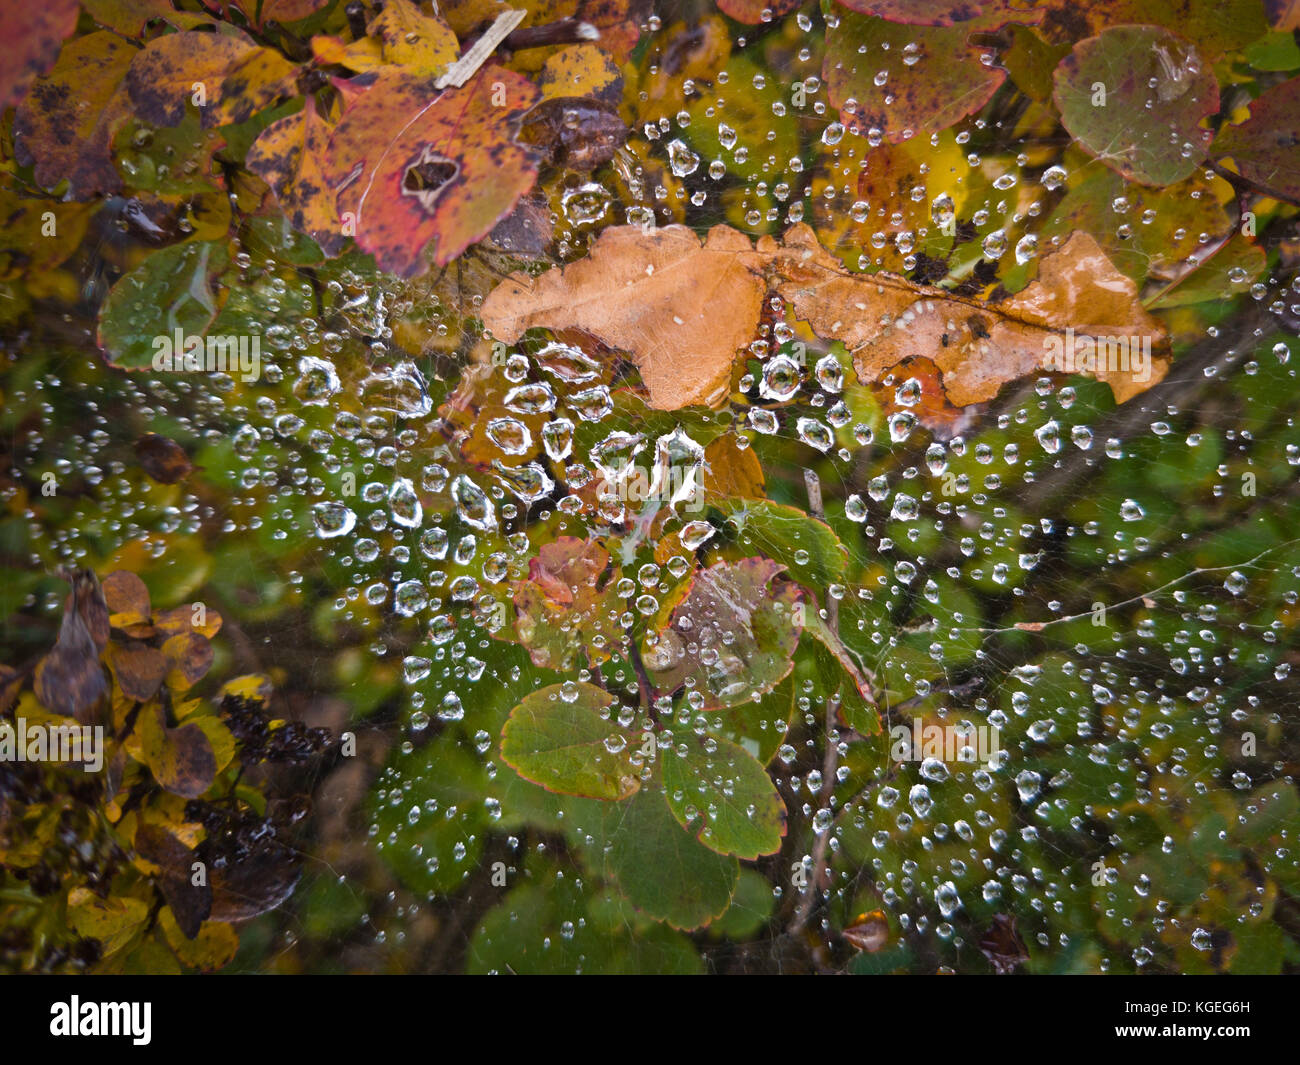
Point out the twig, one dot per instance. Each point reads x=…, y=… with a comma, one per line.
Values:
x=830, y=758
x=467, y=65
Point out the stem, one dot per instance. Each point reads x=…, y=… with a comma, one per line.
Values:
x=1240, y=181
x=830, y=758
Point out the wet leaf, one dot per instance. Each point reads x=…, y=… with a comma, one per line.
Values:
x=190, y=903
x=652, y=295
x=564, y=739
x=580, y=133
x=232, y=76
x=423, y=44
x=1213, y=26
x=662, y=869
x=582, y=70
x=181, y=759
x=869, y=932
x=67, y=123
x=1229, y=271
x=1157, y=90
x=32, y=38
x=170, y=291
x=568, y=603
x=70, y=679
x=162, y=459
x=946, y=82
x=289, y=156
x=139, y=669
x=421, y=166
x=805, y=545
x=1266, y=147
x=753, y=12
x=978, y=346
x=731, y=638
x=720, y=792
x=113, y=921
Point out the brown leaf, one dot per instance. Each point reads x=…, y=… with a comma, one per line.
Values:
x=70, y=679
x=190, y=904
x=654, y=295
x=66, y=124
x=869, y=932
x=32, y=36
x=190, y=657
x=125, y=593
x=1002, y=944
x=139, y=669
x=181, y=759
x=182, y=619
x=163, y=459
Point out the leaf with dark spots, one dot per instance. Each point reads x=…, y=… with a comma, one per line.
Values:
x=731, y=638
x=582, y=134
x=70, y=679
x=181, y=759
x=163, y=459
x=130, y=17
x=139, y=669
x=227, y=77
x=251, y=870
x=126, y=594
x=421, y=44
x=191, y=904
x=289, y=156
x=32, y=36
x=1266, y=147
x=415, y=165
x=190, y=657
x=66, y=124
x=1147, y=121
x=933, y=77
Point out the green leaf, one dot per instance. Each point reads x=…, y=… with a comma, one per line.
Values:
x=169, y=292
x=1105, y=93
x=562, y=738
x=720, y=791
x=805, y=545
x=662, y=869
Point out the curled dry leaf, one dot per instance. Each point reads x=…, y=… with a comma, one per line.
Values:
x=70, y=679
x=1002, y=944
x=869, y=932
x=653, y=294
